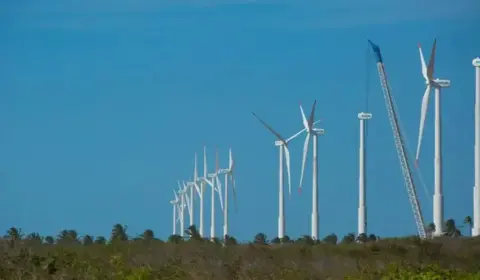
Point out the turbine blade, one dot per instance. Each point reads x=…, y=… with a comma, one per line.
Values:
x=195, y=170
x=304, y=119
x=174, y=193
x=219, y=189
x=304, y=159
x=423, y=115
x=279, y=137
x=287, y=159
x=234, y=189
x=216, y=161
x=231, y=162
x=422, y=61
x=431, y=62
x=300, y=132
x=197, y=188
x=205, y=161
x=187, y=200
x=312, y=115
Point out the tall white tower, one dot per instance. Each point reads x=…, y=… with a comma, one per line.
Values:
x=362, y=198
x=476, y=188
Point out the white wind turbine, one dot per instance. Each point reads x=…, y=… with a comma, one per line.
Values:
x=282, y=144
x=476, y=188
x=228, y=175
x=362, y=197
x=311, y=132
x=437, y=84
x=182, y=193
x=175, y=203
x=214, y=182
x=188, y=199
x=200, y=183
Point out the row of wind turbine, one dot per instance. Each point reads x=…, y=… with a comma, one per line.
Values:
x=187, y=192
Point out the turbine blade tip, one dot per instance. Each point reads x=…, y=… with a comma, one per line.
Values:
x=419, y=45
x=416, y=163
x=299, y=190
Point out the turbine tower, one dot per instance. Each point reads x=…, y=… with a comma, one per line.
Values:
x=476, y=188
x=200, y=183
x=311, y=132
x=362, y=198
x=437, y=84
x=181, y=193
x=228, y=175
x=214, y=182
x=282, y=144
x=175, y=207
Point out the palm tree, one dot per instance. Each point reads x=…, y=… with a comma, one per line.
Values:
x=451, y=228
x=260, y=238
x=68, y=236
x=14, y=234
x=468, y=221
x=306, y=240
x=148, y=235
x=100, y=240
x=230, y=240
x=49, y=240
x=276, y=240
x=175, y=239
x=34, y=238
x=285, y=240
x=87, y=240
x=119, y=233
x=331, y=239
x=372, y=237
x=193, y=233
x=349, y=238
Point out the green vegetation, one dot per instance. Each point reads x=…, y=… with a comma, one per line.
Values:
x=69, y=256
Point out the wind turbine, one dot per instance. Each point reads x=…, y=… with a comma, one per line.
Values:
x=181, y=193
x=362, y=203
x=228, y=175
x=214, y=182
x=476, y=189
x=200, y=183
x=311, y=132
x=282, y=144
x=188, y=199
x=175, y=207
x=437, y=84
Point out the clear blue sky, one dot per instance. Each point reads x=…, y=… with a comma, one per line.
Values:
x=103, y=104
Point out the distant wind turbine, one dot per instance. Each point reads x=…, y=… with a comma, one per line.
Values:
x=229, y=174
x=311, y=132
x=362, y=197
x=175, y=203
x=437, y=84
x=476, y=188
x=214, y=182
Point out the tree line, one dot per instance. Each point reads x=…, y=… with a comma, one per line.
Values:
x=119, y=234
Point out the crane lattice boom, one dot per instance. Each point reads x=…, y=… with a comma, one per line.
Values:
x=402, y=155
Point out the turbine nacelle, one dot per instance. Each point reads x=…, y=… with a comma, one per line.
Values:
x=279, y=143
x=441, y=83
x=476, y=62
x=318, y=131
x=364, y=116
